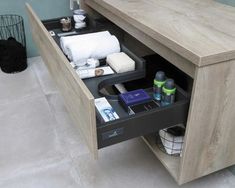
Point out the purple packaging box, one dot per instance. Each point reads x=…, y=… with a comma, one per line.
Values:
x=134, y=97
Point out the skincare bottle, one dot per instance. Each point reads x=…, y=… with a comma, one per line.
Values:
x=168, y=92
x=80, y=18
x=159, y=81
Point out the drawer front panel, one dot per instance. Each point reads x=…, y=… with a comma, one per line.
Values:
x=78, y=99
x=143, y=123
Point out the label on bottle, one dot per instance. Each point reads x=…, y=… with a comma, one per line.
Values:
x=157, y=90
x=168, y=99
x=157, y=93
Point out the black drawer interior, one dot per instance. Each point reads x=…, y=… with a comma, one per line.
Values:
x=131, y=126
x=143, y=123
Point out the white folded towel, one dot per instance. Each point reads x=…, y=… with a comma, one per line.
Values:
x=97, y=48
x=105, y=47
x=79, y=39
x=121, y=62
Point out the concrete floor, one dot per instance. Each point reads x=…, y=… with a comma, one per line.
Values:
x=41, y=148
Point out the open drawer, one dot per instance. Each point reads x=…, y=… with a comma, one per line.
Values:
x=79, y=97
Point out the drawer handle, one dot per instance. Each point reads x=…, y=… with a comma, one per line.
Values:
x=113, y=133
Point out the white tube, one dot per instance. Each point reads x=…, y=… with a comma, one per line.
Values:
x=89, y=64
x=90, y=73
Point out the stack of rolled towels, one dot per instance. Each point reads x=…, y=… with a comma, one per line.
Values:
x=93, y=45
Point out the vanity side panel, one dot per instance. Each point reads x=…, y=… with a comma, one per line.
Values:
x=78, y=99
x=210, y=141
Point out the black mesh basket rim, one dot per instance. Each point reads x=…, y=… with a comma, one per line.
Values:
x=162, y=146
x=18, y=21
x=172, y=141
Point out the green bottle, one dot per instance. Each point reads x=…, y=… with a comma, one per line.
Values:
x=168, y=92
x=159, y=81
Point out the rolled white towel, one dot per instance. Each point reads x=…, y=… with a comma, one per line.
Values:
x=120, y=62
x=79, y=53
x=66, y=41
x=98, y=49
x=105, y=47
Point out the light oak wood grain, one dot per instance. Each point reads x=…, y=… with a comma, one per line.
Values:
x=201, y=31
x=171, y=56
x=209, y=143
x=172, y=164
x=79, y=101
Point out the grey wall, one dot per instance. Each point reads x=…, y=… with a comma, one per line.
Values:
x=44, y=9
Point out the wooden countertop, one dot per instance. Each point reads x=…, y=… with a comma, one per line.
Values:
x=202, y=31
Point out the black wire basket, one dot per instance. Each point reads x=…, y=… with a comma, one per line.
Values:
x=171, y=140
x=13, y=57
x=12, y=26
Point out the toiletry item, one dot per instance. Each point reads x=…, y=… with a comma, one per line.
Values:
x=52, y=33
x=168, y=92
x=90, y=73
x=87, y=64
x=133, y=97
x=146, y=106
x=79, y=12
x=104, y=110
x=80, y=25
x=66, y=24
x=159, y=81
x=79, y=18
x=120, y=62
x=67, y=34
x=121, y=88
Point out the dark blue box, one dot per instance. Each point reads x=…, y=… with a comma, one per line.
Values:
x=134, y=97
